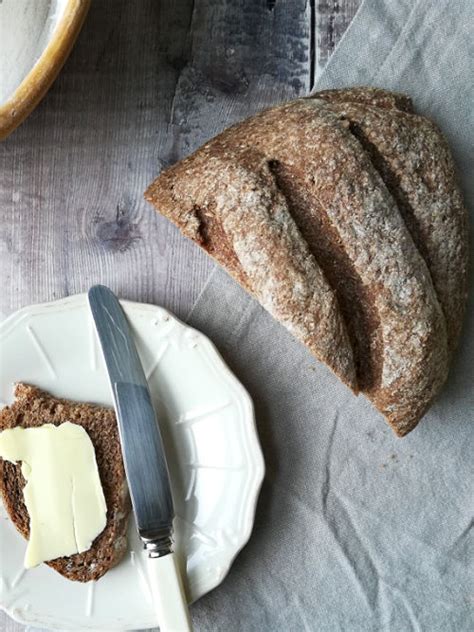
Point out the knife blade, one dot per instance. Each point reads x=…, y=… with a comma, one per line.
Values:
x=143, y=454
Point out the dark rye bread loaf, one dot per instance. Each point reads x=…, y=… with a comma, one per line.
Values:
x=416, y=165
x=345, y=206
x=33, y=407
x=357, y=235
x=354, y=230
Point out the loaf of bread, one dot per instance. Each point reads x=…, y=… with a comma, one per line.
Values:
x=33, y=408
x=373, y=254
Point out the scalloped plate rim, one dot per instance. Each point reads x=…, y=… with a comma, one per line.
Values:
x=258, y=465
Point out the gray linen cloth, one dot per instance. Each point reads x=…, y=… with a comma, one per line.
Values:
x=356, y=529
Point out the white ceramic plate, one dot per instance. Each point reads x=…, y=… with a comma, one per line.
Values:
x=210, y=439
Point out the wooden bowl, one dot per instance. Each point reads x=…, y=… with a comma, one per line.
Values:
x=65, y=27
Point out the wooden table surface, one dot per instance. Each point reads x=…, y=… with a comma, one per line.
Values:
x=147, y=83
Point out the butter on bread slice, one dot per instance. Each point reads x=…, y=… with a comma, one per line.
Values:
x=32, y=408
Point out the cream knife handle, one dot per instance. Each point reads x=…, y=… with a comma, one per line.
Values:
x=168, y=594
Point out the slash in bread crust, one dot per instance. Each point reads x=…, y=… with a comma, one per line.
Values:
x=416, y=165
x=227, y=200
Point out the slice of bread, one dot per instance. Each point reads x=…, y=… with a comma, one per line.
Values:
x=32, y=408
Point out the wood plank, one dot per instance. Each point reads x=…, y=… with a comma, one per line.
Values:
x=146, y=84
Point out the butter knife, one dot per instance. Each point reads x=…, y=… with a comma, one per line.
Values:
x=144, y=458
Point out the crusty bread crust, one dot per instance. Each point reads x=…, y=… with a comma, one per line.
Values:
x=365, y=95
x=33, y=407
x=359, y=238
x=227, y=201
x=416, y=165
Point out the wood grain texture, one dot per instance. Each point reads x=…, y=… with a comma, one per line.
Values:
x=333, y=18
x=146, y=84
x=143, y=87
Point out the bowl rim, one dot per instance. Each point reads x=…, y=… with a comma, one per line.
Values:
x=38, y=81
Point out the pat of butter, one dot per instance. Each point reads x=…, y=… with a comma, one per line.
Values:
x=63, y=493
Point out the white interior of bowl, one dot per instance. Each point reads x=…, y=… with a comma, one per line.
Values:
x=26, y=27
